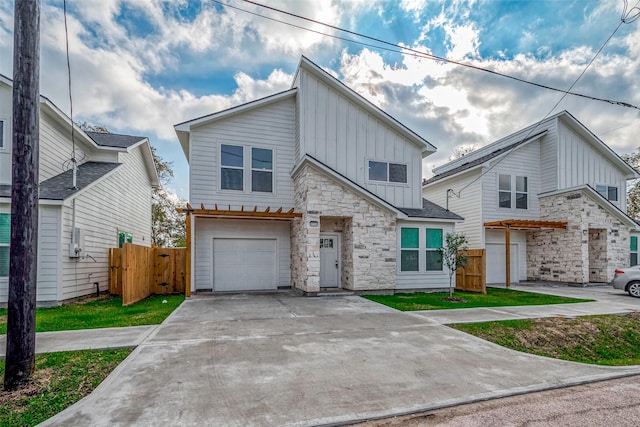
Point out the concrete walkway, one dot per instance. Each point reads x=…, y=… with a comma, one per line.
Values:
x=263, y=360
x=85, y=339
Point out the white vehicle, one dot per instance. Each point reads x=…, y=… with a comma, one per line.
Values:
x=628, y=279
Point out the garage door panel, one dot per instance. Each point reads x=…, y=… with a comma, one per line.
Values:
x=496, y=261
x=244, y=264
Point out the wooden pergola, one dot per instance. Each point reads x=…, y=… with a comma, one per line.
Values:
x=520, y=224
x=267, y=214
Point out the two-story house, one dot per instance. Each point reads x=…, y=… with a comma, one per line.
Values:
x=310, y=188
x=558, y=193
x=110, y=203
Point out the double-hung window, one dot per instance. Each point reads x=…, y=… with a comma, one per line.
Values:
x=608, y=192
x=409, y=249
x=124, y=237
x=521, y=192
x=433, y=245
x=261, y=170
x=634, y=251
x=504, y=191
x=231, y=167
x=387, y=172
x=240, y=164
x=5, y=238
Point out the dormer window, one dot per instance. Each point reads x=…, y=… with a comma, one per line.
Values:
x=608, y=192
x=387, y=172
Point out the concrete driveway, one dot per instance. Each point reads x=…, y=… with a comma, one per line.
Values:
x=268, y=360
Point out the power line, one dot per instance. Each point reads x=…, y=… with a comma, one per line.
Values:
x=414, y=52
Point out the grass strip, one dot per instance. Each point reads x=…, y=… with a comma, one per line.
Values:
x=60, y=380
x=601, y=340
x=106, y=312
x=495, y=297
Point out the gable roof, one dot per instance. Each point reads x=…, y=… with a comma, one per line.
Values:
x=182, y=129
x=60, y=187
x=497, y=148
x=482, y=160
x=308, y=65
x=115, y=140
x=429, y=209
x=603, y=202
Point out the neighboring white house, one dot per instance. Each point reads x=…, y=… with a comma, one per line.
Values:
x=312, y=188
x=111, y=201
x=561, y=191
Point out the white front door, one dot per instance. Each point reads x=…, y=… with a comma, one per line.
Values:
x=329, y=260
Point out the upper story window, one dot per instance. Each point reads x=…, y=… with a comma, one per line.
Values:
x=5, y=236
x=231, y=167
x=506, y=195
x=251, y=164
x=634, y=251
x=387, y=172
x=261, y=170
x=504, y=191
x=1, y=134
x=521, y=192
x=608, y=192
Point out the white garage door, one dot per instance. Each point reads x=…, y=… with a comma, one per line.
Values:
x=244, y=264
x=496, y=263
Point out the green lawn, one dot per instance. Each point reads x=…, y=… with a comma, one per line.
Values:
x=60, y=380
x=602, y=340
x=101, y=313
x=495, y=297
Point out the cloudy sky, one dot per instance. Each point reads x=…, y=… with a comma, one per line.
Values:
x=141, y=66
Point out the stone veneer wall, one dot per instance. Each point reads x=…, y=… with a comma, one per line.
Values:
x=563, y=255
x=369, y=234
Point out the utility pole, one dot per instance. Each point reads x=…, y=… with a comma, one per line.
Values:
x=23, y=252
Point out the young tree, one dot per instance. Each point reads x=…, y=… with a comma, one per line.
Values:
x=452, y=256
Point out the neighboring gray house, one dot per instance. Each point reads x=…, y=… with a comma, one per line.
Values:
x=111, y=201
x=562, y=192
x=312, y=188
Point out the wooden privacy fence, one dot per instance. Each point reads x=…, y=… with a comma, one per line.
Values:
x=135, y=272
x=473, y=277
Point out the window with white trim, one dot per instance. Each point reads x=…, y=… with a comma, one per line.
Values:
x=231, y=167
x=521, y=192
x=409, y=249
x=5, y=238
x=634, y=251
x=387, y=172
x=124, y=237
x=262, y=170
x=433, y=258
x=608, y=192
x=504, y=191
x=1, y=134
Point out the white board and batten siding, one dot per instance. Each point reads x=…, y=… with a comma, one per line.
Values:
x=266, y=246
x=345, y=136
x=468, y=205
x=581, y=163
x=120, y=202
x=422, y=279
x=270, y=126
x=49, y=271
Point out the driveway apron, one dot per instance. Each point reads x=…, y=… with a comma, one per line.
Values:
x=265, y=360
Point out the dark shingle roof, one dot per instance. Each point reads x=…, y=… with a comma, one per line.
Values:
x=59, y=187
x=114, y=140
x=481, y=160
x=430, y=210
